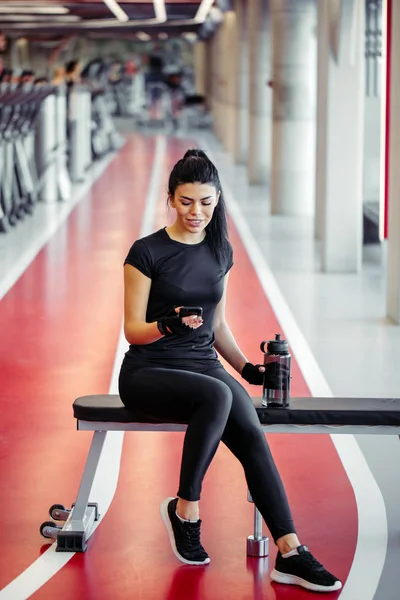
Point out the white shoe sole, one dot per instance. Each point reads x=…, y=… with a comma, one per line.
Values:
x=168, y=526
x=293, y=580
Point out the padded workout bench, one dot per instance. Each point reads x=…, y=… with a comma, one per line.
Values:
x=103, y=413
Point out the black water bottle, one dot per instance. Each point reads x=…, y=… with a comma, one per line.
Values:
x=277, y=363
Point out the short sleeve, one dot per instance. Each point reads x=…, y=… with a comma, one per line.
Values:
x=139, y=257
x=229, y=258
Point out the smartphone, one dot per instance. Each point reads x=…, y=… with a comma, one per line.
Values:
x=187, y=311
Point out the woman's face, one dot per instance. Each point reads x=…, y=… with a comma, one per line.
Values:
x=194, y=204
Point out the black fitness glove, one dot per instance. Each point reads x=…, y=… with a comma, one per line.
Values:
x=251, y=374
x=172, y=324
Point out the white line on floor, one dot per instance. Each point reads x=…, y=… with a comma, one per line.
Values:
x=105, y=482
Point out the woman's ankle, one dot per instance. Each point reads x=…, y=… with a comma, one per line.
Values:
x=189, y=511
x=287, y=543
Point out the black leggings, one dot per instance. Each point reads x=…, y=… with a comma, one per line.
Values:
x=215, y=407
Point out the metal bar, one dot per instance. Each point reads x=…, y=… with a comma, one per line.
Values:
x=79, y=510
x=257, y=524
x=279, y=428
x=104, y=426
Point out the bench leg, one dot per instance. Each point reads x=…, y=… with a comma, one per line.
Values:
x=77, y=528
x=257, y=544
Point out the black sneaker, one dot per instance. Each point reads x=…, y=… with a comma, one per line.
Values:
x=184, y=536
x=304, y=570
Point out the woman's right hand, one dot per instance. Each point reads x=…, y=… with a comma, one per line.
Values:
x=174, y=325
x=192, y=321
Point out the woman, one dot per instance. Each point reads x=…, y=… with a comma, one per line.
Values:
x=172, y=373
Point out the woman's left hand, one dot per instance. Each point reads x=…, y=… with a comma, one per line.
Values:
x=253, y=373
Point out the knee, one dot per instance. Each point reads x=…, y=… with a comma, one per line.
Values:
x=218, y=398
x=223, y=396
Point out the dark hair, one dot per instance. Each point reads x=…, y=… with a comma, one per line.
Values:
x=71, y=65
x=196, y=167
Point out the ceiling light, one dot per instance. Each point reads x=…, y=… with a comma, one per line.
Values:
x=200, y=16
x=38, y=18
x=116, y=10
x=49, y=10
x=203, y=10
x=159, y=9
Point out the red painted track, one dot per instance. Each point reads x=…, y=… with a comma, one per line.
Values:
x=60, y=324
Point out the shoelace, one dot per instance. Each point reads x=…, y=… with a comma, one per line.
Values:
x=311, y=561
x=192, y=533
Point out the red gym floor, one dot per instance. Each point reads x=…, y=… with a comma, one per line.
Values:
x=59, y=327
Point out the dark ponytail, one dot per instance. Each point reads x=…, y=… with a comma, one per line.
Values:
x=196, y=167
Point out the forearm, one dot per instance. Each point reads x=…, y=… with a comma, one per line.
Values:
x=225, y=344
x=140, y=333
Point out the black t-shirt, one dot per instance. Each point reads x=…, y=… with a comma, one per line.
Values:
x=181, y=275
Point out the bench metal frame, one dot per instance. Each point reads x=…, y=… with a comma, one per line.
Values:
x=79, y=524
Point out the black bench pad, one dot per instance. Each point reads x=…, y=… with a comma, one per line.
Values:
x=302, y=411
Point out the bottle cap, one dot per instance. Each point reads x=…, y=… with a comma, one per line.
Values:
x=278, y=346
